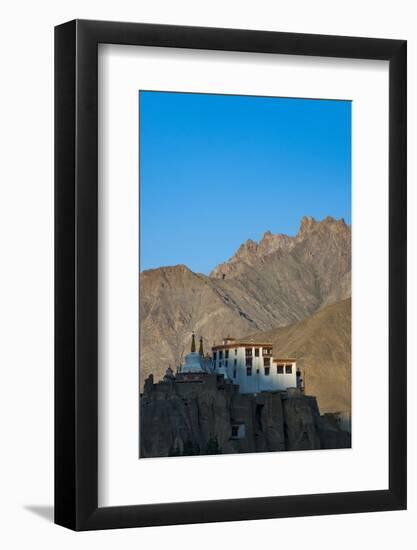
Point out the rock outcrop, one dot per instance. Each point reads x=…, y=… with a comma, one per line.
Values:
x=208, y=415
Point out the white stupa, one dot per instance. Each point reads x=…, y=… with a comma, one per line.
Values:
x=194, y=361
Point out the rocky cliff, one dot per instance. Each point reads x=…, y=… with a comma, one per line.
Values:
x=276, y=282
x=210, y=416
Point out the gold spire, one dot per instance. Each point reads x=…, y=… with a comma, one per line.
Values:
x=200, y=351
x=193, y=343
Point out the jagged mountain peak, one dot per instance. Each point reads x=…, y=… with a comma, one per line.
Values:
x=306, y=225
x=310, y=225
x=251, y=253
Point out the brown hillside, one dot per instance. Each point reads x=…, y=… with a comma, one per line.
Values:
x=322, y=346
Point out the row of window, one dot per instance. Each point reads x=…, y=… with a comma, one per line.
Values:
x=280, y=369
x=248, y=353
x=248, y=361
x=226, y=354
x=226, y=362
x=265, y=352
x=267, y=365
x=267, y=361
x=267, y=370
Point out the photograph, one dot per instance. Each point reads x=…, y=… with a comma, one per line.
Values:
x=208, y=334
x=244, y=274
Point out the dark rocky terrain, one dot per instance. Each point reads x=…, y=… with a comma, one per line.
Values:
x=191, y=418
x=274, y=283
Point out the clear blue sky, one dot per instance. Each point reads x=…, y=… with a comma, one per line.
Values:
x=217, y=170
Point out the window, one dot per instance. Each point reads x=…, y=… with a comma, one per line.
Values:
x=226, y=354
x=234, y=373
x=226, y=363
x=266, y=351
x=256, y=352
x=267, y=361
x=235, y=351
x=288, y=369
x=280, y=369
x=214, y=355
x=238, y=431
x=248, y=352
x=267, y=371
x=235, y=362
x=249, y=371
x=220, y=355
x=248, y=361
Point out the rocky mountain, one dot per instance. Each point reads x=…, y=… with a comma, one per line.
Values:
x=252, y=253
x=174, y=301
x=276, y=282
x=320, y=253
x=322, y=345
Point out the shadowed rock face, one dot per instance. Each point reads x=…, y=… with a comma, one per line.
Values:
x=198, y=418
x=265, y=285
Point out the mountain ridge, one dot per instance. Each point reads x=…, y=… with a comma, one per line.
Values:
x=269, y=285
x=274, y=242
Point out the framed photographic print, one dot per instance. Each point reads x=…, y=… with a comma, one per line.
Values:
x=230, y=244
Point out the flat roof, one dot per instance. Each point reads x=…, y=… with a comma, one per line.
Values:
x=242, y=345
x=286, y=360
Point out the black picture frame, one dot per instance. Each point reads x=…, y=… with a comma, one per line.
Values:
x=76, y=272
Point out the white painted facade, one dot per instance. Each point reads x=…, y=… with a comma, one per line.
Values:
x=249, y=365
x=253, y=367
